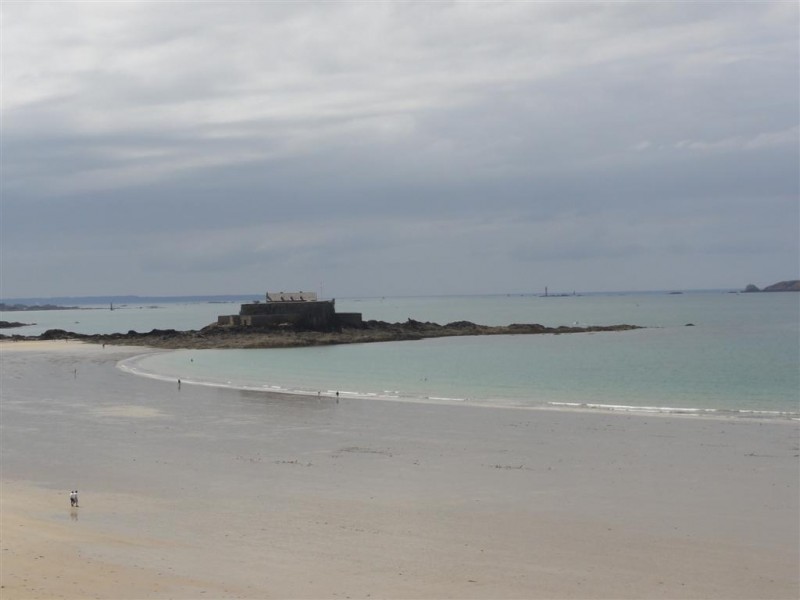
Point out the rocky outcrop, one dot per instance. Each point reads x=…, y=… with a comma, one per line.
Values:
x=215, y=336
x=793, y=285
x=784, y=286
x=10, y=324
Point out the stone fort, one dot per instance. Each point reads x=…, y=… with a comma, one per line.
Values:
x=300, y=310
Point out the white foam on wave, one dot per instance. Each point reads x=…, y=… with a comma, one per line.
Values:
x=633, y=408
x=131, y=365
x=672, y=410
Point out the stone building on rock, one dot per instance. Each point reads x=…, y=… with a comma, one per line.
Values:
x=297, y=310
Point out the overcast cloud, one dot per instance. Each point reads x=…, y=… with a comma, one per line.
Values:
x=181, y=148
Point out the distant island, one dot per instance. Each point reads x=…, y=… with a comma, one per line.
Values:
x=26, y=307
x=10, y=324
x=792, y=285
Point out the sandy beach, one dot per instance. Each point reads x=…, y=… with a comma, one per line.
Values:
x=212, y=493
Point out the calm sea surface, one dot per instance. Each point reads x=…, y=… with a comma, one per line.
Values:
x=742, y=353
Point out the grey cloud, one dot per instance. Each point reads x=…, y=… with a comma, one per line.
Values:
x=407, y=133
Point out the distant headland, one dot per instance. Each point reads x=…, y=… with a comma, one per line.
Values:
x=11, y=324
x=33, y=307
x=793, y=285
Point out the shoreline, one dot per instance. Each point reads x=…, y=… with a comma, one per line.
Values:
x=130, y=365
x=227, y=494
x=644, y=410
x=555, y=406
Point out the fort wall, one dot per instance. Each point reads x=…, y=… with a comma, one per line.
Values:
x=301, y=312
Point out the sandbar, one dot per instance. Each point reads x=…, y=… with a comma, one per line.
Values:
x=214, y=493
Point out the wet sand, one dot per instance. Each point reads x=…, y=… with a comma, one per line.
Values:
x=210, y=493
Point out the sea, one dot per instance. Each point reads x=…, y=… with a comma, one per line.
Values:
x=699, y=353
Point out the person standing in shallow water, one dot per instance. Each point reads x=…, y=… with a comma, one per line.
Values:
x=73, y=498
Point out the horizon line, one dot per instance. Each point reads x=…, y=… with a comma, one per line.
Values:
x=552, y=293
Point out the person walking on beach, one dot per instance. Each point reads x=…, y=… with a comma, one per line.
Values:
x=73, y=498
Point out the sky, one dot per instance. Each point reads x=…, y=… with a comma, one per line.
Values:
x=397, y=148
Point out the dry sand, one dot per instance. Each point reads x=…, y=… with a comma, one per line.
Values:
x=208, y=493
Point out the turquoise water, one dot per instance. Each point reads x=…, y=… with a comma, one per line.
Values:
x=138, y=317
x=741, y=354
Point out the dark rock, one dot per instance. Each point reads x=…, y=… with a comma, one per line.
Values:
x=163, y=332
x=792, y=285
x=294, y=336
x=60, y=334
x=784, y=286
x=527, y=328
x=463, y=325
